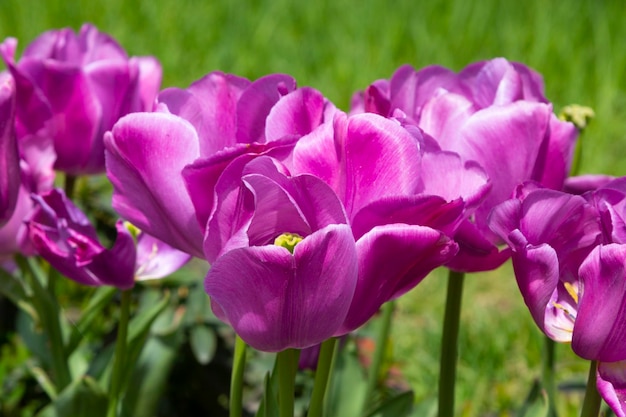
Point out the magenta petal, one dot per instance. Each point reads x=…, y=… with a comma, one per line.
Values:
x=382, y=159
x=611, y=383
x=537, y=272
x=423, y=210
x=156, y=259
x=146, y=153
x=116, y=267
x=275, y=300
x=9, y=157
x=209, y=104
x=255, y=104
x=497, y=83
x=581, y=184
x=392, y=260
x=148, y=81
x=445, y=174
x=298, y=113
x=600, y=329
x=62, y=235
x=76, y=114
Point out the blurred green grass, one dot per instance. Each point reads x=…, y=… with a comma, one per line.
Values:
x=339, y=46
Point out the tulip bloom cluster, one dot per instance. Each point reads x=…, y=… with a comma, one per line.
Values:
x=312, y=218
x=223, y=169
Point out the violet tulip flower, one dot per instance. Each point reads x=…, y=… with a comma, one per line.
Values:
x=569, y=256
x=494, y=113
x=65, y=238
x=165, y=166
x=287, y=275
x=403, y=196
x=71, y=88
x=9, y=156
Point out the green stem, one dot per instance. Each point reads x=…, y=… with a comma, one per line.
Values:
x=449, y=343
x=120, y=353
x=287, y=362
x=382, y=340
x=322, y=376
x=592, y=402
x=70, y=185
x=548, y=372
x=236, y=381
x=49, y=314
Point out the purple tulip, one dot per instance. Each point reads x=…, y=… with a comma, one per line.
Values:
x=165, y=166
x=287, y=274
x=72, y=88
x=493, y=113
x=402, y=196
x=63, y=236
x=569, y=256
x=9, y=157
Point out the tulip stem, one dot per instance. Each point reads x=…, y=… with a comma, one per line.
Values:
x=322, y=376
x=592, y=402
x=382, y=340
x=449, y=343
x=119, y=360
x=236, y=381
x=70, y=185
x=548, y=371
x=287, y=362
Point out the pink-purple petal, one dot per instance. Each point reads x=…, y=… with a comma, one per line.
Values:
x=275, y=300
x=611, y=383
x=393, y=259
x=600, y=329
x=146, y=153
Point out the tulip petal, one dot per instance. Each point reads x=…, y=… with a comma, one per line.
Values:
x=156, y=259
x=209, y=104
x=255, y=104
x=298, y=113
x=283, y=305
x=392, y=260
x=600, y=329
x=611, y=383
x=382, y=159
x=145, y=155
x=9, y=157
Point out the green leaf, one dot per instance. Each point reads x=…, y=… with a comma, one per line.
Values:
x=138, y=331
x=348, y=386
x=203, y=342
x=536, y=404
x=398, y=406
x=83, y=398
x=101, y=299
x=150, y=375
x=269, y=402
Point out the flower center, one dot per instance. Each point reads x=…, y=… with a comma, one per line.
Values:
x=288, y=241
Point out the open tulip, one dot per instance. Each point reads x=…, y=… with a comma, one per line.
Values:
x=493, y=113
x=402, y=195
x=72, y=88
x=569, y=256
x=63, y=235
x=287, y=274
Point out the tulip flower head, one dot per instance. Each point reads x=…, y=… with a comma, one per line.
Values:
x=71, y=88
x=493, y=113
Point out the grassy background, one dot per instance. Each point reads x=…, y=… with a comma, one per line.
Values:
x=339, y=46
